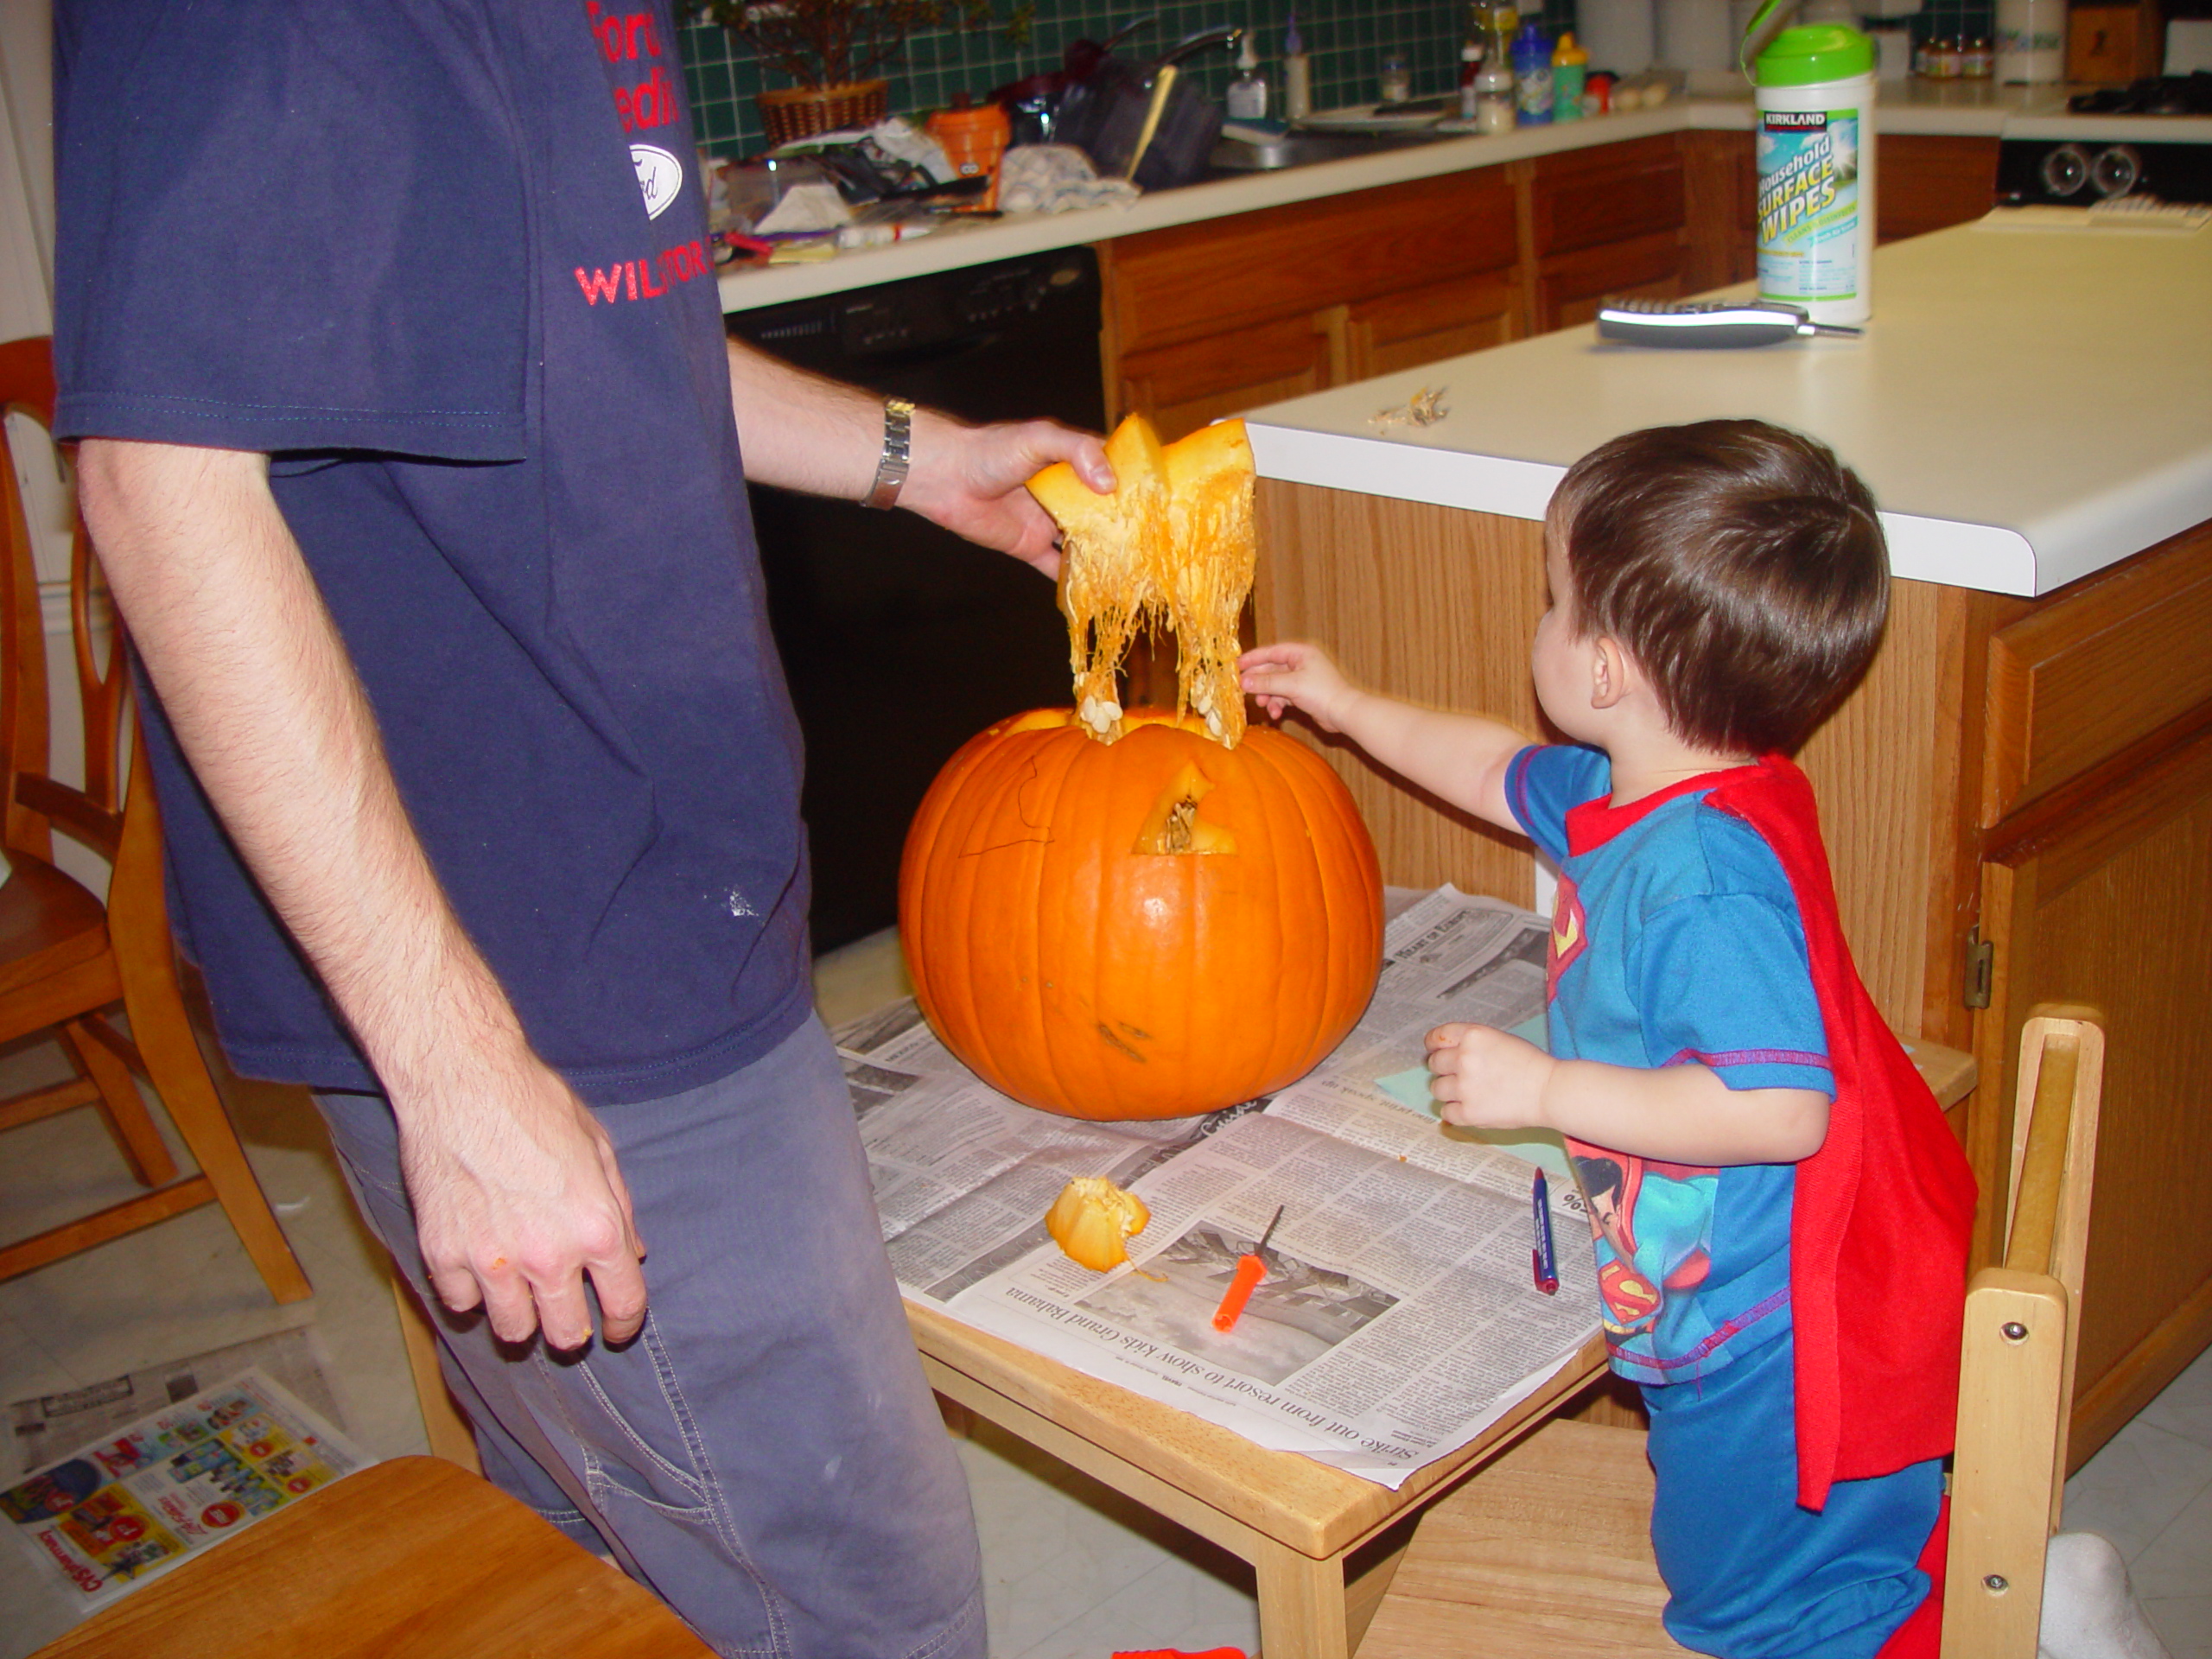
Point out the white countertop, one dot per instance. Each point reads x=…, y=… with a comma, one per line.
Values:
x=2027, y=406
x=1966, y=108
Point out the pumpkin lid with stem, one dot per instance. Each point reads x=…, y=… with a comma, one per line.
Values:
x=1172, y=545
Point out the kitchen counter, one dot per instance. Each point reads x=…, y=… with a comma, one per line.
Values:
x=1916, y=106
x=2028, y=406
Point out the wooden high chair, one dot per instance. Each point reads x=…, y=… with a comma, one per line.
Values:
x=65, y=957
x=1546, y=1552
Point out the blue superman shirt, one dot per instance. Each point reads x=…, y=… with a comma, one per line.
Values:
x=1676, y=940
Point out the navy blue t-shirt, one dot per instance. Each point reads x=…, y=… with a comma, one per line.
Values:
x=446, y=262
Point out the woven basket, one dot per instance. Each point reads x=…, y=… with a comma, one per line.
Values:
x=801, y=112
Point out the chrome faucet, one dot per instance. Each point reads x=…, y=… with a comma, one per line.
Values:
x=1230, y=35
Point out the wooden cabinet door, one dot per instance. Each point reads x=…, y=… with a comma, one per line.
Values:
x=1191, y=281
x=1571, y=287
x=1182, y=387
x=1928, y=182
x=1424, y=325
x=2111, y=905
x=1607, y=221
x=1611, y=193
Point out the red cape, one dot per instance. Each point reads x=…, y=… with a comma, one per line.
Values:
x=1878, y=1230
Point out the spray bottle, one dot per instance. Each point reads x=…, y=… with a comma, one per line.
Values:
x=1814, y=89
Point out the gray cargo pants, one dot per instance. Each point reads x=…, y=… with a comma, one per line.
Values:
x=765, y=1454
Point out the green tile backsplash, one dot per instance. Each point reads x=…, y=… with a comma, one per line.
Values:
x=1347, y=41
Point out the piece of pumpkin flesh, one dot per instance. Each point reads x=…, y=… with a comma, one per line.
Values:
x=1112, y=546
x=1173, y=543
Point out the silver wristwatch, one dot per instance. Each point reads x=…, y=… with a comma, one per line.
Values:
x=898, y=439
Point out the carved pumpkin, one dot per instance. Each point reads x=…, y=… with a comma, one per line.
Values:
x=1146, y=929
x=1143, y=914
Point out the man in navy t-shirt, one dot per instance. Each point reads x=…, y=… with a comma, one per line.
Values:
x=411, y=448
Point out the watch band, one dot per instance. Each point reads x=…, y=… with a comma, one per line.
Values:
x=897, y=440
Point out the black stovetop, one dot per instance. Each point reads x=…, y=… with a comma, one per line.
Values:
x=2153, y=95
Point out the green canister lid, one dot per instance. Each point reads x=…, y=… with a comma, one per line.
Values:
x=1811, y=53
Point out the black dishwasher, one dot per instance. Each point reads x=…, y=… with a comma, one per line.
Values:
x=901, y=641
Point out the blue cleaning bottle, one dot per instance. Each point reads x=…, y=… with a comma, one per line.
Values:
x=1532, y=75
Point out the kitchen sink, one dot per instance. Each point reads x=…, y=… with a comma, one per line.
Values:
x=1234, y=156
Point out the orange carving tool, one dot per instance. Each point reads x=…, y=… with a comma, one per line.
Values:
x=1250, y=1269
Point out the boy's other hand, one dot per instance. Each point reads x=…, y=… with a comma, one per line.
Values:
x=1485, y=1078
x=1292, y=675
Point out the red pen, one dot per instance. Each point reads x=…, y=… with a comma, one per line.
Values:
x=1250, y=1269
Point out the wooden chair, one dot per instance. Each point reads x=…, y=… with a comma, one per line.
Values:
x=1547, y=1552
x=412, y=1557
x=64, y=958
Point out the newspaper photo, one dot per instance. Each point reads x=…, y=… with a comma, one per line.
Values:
x=139, y=1501
x=1398, y=1315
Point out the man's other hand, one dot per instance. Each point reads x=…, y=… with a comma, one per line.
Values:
x=517, y=1199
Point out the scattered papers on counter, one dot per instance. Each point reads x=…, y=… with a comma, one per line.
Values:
x=1397, y=1319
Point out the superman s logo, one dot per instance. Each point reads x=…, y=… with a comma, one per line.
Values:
x=1570, y=936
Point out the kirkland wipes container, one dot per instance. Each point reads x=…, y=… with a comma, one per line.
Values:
x=1814, y=88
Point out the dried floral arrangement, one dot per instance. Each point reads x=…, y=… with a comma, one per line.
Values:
x=834, y=42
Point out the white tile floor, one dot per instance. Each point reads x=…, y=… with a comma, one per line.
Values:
x=1072, y=1570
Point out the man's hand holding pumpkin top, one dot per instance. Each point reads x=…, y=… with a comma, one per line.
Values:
x=800, y=432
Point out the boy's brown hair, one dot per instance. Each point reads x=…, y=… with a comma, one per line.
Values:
x=1740, y=564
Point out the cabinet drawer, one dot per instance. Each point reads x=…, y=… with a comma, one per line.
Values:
x=1424, y=325
x=2081, y=678
x=1181, y=388
x=1571, y=287
x=1195, y=280
x=1615, y=193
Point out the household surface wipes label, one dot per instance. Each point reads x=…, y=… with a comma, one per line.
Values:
x=1808, y=205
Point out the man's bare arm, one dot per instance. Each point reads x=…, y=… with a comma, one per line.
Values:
x=801, y=431
x=516, y=1192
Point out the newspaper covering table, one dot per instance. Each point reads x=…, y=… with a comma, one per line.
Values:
x=135, y=1505
x=1398, y=1317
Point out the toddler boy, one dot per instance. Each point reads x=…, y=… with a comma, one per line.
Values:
x=1780, y=1214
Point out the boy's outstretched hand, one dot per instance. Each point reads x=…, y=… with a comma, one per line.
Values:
x=1486, y=1079
x=1292, y=675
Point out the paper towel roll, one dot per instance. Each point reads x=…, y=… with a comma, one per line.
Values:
x=1617, y=34
x=1693, y=35
x=2031, y=41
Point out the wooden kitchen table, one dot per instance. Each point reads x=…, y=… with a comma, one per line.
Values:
x=1323, y=1543
x=1315, y=1535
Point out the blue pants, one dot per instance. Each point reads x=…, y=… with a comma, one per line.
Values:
x=1750, y=1575
x=765, y=1454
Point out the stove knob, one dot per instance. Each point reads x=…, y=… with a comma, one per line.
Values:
x=2065, y=171
x=2117, y=171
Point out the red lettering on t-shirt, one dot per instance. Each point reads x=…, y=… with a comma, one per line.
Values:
x=650, y=103
x=621, y=34
x=600, y=285
x=634, y=279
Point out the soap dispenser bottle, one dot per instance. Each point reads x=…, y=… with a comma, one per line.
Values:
x=1248, y=93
